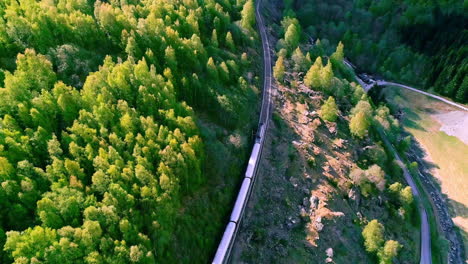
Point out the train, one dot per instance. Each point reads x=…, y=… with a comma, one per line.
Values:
x=225, y=246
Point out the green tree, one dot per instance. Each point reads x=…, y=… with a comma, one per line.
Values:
x=312, y=78
x=329, y=110
x=214, y=38
x=299, y=60
x=406, y=196
x=292, y=36
x=248, y=15
x=388, y=252
x=230, y=42
x=278, y=70
x=359, y=125
x=338, y=55
x=373, y=236
x=326, y=76
x=376, y=175
x=212, y=69
x=30, y=244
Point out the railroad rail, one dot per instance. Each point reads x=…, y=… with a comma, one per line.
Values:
x=224, y=248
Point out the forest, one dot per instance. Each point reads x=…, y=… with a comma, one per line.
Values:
x=100, y=140
x=422, y=43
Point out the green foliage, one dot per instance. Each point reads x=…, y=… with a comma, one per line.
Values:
x=373, y=234
x=31, y=243
x=359, y=125
x=376, y=154
x=312, y=77
x=299, y=60
x=278, y=69
x=292, y=36
x=364, y=178
x=230, y=42
x=329, y=110
x=388, y=252
x=361, y=116
x=338, y=55
x=248, y=15
x=326, y=76
x=98, y=140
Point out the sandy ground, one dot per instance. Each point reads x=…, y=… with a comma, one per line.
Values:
x=454, y=123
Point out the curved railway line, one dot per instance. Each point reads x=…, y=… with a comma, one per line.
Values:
x=224, y=248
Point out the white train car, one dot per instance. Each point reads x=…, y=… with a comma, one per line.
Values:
x=241, y=200
x=225, y=244
x=224, y=248
x=249, y=173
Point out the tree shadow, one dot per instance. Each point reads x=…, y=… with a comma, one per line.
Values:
x=457, y=209
x=444, y=207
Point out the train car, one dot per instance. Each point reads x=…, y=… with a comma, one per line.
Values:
x=260, y=133
x=252, y=161
x=241, y=200
x=225, y=244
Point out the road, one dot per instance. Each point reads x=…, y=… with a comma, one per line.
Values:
x=426, y=254
x=425, y=228
x=385, y=83
x=440, y=206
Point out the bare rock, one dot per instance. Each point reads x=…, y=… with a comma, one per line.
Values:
x=328, y=260
x=329, y=252
x=318, y=226
x=352, y=194
x=304, y=213
x=313, y=201
x=331, y=128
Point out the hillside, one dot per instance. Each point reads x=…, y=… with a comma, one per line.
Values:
x=326, y=187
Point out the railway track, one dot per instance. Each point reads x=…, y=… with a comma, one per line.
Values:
x=224, y=248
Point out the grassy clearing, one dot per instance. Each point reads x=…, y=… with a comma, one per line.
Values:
x=447, y=155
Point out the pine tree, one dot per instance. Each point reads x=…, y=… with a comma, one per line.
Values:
x=312, y=78
x=338, y=55
x=359, y=124
x=214, y=38
x=326, y=76
x=292, y=36
x=230, y=42
x=388, y=252
x=212, y=69
x=248, y=15
x=329, y=110
x=278, y=70
x=299, y=60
